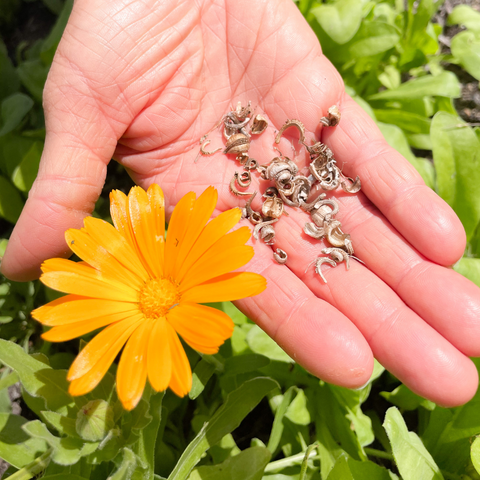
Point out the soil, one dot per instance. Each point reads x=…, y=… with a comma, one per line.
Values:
x=468, y=105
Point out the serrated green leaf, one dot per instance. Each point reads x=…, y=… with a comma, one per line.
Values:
x=247, y=465
x=238, y=404
x=456, y=154
x=445, y=85
x=26, y=172
x=470, y=268
x=465, y=15
x=11, y=203
x=465, y=48
x=340, y=20
x=412, y=458
x=261, y=343
x=16, y=447
x=66, y=450
x=13, y=110
x=38, y=379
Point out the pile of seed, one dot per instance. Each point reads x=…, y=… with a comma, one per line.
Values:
x=290, y=187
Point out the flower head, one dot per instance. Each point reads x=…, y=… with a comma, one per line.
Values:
x=146, y=290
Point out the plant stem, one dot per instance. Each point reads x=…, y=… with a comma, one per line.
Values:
x=34, y=468
x=373, y=452
x=287, y=462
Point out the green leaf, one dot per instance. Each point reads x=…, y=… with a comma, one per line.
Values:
x=127, y=466
x=64, y=476
x=16, y=447
x=297, y=412
x=66, y=450
x=9, y=82
x=407, y=121
x=261, y=343
x=64, y=425
x=373, y=37
x=465, y=48
x=445, y=85
x=50, y=44
x=26, y=172
x=341, y=414
x=412, y=458
x=278, y=426
x=33, y=74
x=202, y=373
x=405, y=399
x=397, y=139
x=38, y=379
x=237, y=406
x=475, y=454
x=145, y=447
x=14, y=109
x=470, y=268
x=456, y=154
x=340, y=20
x=11, y=203
x=247, y=465
x=466, y=16
x=349, y=469
x=245, y=363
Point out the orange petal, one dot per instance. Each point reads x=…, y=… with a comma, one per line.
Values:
x=159, y=358
x=63, y=333
x=107, y=343
x=212, y=232
x=70, y=277
x=42, y=313
x=181, y=380
x=225, y=255
x=83, y=245
x=74, y=311
x=119, y=214
x=203, y=328
x=132, y=368
x=201, y=213
x=157, y=208
x=228, y=287
x=143, y=225
x=115, y=243
x=176, y=231
x=93, y=376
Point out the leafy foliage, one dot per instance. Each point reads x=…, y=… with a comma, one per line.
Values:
x=252, y=412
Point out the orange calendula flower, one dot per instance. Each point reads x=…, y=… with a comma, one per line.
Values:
x=146, y=290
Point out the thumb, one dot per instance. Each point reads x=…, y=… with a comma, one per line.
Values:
x=78, y=146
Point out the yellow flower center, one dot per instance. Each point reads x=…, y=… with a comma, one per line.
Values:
x=157, y=297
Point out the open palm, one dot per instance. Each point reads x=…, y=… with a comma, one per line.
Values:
x=142, y=81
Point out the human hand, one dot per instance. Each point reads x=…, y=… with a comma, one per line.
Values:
x=143, y=81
